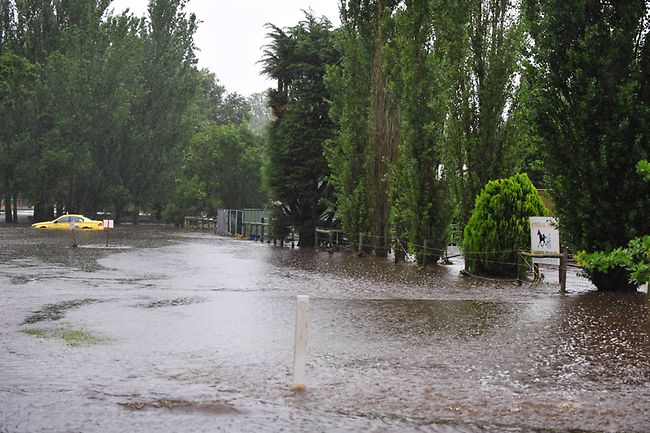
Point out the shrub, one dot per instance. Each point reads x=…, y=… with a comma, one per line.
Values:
x=499, y=225
x=622, y=269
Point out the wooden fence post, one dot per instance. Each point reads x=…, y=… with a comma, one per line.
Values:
x=563, y=268
x=424, y=255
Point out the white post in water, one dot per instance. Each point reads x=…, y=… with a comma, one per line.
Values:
x=300, y=343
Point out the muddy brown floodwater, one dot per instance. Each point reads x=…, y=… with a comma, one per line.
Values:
x=172, y=331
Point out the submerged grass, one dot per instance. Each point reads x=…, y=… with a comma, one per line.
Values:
x=78, y=338
x=36, y=332
x=72, y=337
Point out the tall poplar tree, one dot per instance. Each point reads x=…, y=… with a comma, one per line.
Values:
x=367, y=116
x=168, y=89
x=349, y=84
x=484, y=40
x=383, y=131
x=420, y=208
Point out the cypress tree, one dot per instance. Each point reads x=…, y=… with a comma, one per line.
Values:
x=592, y=93
x=298, y=172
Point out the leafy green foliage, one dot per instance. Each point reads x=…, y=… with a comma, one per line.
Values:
x=604, y=268
x=643, y=168
x=17, y=78
x=297, y=170
x=419, y=204
x=591, y=85
x=112, y=114
x=217, y=105
x=109, y=100
x=607, y=269
x=220, y=168
x=349, y=87
x=483, y=54
x=366, y=112
x=499, y=226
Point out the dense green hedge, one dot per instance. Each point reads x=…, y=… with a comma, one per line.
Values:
x=499, y=225
x=622, y=269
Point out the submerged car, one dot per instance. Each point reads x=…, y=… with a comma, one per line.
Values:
x=63, y=222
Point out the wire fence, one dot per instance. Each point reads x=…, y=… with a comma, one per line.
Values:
x=507, y=257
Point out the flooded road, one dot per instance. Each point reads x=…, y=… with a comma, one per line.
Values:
x=173, y=331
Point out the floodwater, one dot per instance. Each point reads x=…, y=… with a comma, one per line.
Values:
x=172, y=331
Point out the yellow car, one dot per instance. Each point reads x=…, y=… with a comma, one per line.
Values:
x=63, y=222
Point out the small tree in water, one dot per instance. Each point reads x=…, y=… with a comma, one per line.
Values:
x=499, y=225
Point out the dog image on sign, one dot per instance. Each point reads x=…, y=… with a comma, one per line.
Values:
x=544, y=235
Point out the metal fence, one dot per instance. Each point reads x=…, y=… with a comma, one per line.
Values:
x=256, y=215
x=229, y=221
x=233, y=221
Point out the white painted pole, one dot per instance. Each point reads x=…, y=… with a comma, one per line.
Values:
x=300, y=343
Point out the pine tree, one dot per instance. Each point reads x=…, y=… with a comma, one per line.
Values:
x=298, y=173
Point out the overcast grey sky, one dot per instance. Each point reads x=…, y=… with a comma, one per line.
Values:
x=232, y=33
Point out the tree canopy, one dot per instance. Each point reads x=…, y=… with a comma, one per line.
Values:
x=591, y=84
x=387, y=127
x=297, y=58
x=98, y=109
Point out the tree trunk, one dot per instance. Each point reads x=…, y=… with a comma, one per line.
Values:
x=119, y=211
x=400, y=250
x=158, y=214
x=8, y=214
x=15, y=208
x=306, y=238
x=38, y=213
x=382, y=152
x=43, y=212
x=136, y=215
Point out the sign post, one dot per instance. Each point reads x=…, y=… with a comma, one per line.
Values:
x=545, y=243
x=74, y=239
x=108, y=225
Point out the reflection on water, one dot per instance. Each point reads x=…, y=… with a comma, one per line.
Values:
x=197, y=335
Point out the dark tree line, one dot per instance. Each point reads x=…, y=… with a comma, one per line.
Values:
x=98, y=109
x=388, y=126
x=430, y=100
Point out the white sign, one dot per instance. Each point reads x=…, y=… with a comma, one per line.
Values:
x=544, y=235
x=108, y=224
